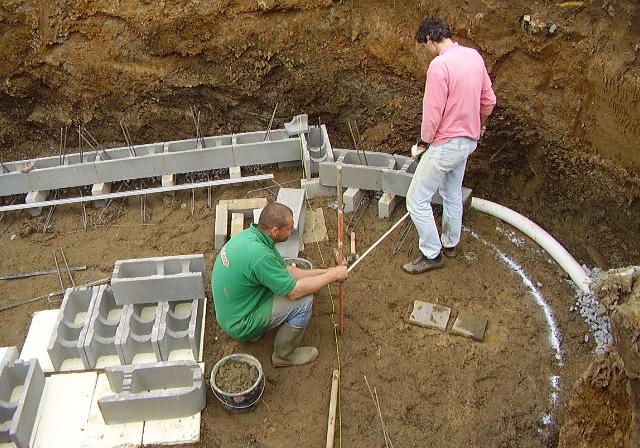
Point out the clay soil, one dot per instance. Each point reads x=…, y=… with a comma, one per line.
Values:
x=562, y=148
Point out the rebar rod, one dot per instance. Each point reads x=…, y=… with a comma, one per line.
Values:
x=55, y=259
x=64, y=258
x=273, y=116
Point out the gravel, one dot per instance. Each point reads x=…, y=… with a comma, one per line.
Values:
x=588, y=306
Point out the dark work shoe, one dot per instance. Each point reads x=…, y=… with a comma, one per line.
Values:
x=450, y=252
x=423, y=264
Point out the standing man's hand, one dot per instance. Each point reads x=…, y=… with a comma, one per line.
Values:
x=419, y=148
x=340, y=273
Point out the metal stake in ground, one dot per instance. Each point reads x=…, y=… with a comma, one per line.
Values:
x=340, y=247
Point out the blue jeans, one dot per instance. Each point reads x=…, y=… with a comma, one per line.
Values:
x=441, y=167
x=296, y=313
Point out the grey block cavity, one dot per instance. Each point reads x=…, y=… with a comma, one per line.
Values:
x=100, y=339
x=146, y=280
x=163, y=390
x=298, y=125
x=179, y=328
x=134, y=335
x=67, y=339
x=21, y=386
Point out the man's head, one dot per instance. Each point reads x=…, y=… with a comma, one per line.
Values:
x=276, y=220
x=433, y=31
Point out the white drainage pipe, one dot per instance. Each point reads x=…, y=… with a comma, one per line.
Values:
x=540, y=236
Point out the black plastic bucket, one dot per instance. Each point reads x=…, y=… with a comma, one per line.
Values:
x=298, y=262
x=244, y=401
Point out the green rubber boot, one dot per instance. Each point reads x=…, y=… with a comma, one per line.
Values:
x=286, y=350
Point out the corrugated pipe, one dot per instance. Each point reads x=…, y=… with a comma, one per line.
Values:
x=540, y=236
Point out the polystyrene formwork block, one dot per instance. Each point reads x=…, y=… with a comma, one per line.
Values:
x=134, y=336
x=67, y=339
x=100, y=340
x=221, y=231
x=21, y=386
x=164, y=390
x=179, y=328
x=159, y=279
x=351, y=198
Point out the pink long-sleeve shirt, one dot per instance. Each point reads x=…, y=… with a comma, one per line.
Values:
x=457, y=92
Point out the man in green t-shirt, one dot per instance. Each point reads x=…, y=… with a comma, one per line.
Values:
x=254, y=291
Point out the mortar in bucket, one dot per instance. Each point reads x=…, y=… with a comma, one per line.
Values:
x=245, y=400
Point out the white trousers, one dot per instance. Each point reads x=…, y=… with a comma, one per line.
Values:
x=441, y=167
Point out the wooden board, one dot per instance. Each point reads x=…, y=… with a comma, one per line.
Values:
x=315, y=228
x=66, y=402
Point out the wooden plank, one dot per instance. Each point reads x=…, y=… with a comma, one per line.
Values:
x=123, y=194
x=100, y=435
x=175, y=431
x=67, y=402
x=315, y=228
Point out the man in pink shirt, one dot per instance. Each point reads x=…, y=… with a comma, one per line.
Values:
x=458, y=99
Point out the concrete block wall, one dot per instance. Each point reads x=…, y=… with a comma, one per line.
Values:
x=67, y=339
x=134, y=335
x=100, y=338
x=158, y=279
x=179, y=328
x=21, y=387
x=164, y=390
x=354, y=169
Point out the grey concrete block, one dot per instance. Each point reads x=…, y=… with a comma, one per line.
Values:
x=470, y=325
x=134, y=335
x=164, y=390
x=70, y=329
x=100, y=189
x=315, y=189
x=235, y=172
x=221, y=231
x=268, y=152
x=168, y=180
x=387, y=204
x=360, y=169
x=159, y=279
x=21, y=387
x=100, y=338
x=7, y=356
x=351, y=198
x=237, y=223
x=430, y=315
x=179, y=328
x=294, y=198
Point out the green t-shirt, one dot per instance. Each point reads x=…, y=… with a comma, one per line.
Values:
x=247, y=273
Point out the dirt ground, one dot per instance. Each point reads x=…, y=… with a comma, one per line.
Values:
x=562, y=148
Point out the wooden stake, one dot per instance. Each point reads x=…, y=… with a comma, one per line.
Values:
x=333, y=404
x=353, y=243
x=340, y=246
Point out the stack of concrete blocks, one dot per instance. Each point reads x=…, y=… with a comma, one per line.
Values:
x=147, y=280
x=239, y=209
x=21, y=387
x=164, y=390
x=72, y=324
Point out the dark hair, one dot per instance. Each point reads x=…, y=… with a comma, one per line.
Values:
x=434, y=28
x=274, y=215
